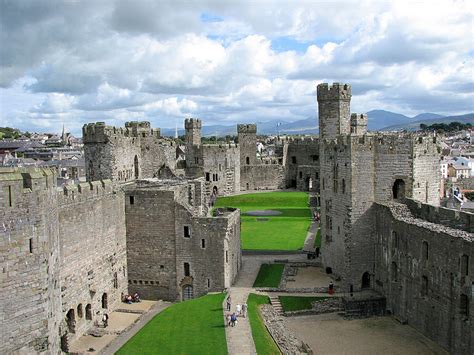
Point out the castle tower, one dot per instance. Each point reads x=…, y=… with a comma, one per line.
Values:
x=359, y=124
x=247, y=134
x=193, y=131
x=334, y=109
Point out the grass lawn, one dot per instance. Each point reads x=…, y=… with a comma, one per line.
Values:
x=191, y=327
x=296, y=303
x=286, y=231
x=263, y=341
x=269, y=275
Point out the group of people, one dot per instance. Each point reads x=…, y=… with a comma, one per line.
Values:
x=131, y=299
x=240, y=311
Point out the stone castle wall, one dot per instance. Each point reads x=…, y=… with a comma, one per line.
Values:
x=29, y=245
x=93, y=263
x=302, y=164
x=161, y=240
x=425, y=272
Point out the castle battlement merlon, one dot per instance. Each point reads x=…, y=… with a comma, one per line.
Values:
x=247, y=128
x=84, y=191
x=336, y=91
x=99, y=132
x=192, y=123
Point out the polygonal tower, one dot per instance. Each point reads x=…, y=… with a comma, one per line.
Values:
x=334, y=109
x=193, y=131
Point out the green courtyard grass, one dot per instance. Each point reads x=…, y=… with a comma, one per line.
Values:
x=286, y=231
x=297, y=303
x=269, y=275
x=191, y=327
x=264, y=343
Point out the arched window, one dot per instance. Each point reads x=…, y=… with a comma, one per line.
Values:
x=247, y=160
x=88, y=311
x=79, y=310
x=398, y=189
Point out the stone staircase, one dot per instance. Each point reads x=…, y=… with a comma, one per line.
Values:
x=275, y=302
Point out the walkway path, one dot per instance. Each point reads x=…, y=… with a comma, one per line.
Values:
x=311, y=236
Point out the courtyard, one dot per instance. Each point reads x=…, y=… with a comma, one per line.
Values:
x=271, y=220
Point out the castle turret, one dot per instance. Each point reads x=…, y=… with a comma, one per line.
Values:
x=193, y=131
x=247, y=134
x=359, y=124
x=334, y=109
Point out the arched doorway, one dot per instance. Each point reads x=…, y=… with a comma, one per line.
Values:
x=135, y=165
x=365, y=280
x=188, y=293
x=398, y=189
x=71, y=321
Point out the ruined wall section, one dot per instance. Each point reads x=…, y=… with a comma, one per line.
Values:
x=194, y=153
x=157, y=155
x=212, y=251
x=302, y=164
x=29, y=245
x=93, y=264
x=425, y=271
x=151, y=252
x=262, y=177
x=221, y=168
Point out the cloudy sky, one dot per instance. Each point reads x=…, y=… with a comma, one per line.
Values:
x=74, y=62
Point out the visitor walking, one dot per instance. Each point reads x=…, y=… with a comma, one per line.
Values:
x=244, y=310
x=228, y=318
x=238, y=309
x=228, y=303
x=105, y=320
x=233, y=319
x=331, y=288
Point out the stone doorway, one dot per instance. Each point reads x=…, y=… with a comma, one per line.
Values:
x=188, y=292
x=365, y=280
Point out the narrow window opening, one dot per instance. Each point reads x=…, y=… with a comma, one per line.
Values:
x=89, y=312
x=226, y=256
x=10, y=196
x=203, y=243
x=208, y=283
x=186, y=232
x=424, y=286
x=208, y=177
x=425, y=251
x=247, y=160
x=132, y=200
x=31, y=245
x=464, y=305
x=187, y=271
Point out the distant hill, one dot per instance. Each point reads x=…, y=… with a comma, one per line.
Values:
x=414, y=125
x=378, y=120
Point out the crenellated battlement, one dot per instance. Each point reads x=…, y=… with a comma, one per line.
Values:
x=85, y=191
x=302, y=140
x=336, y=91
x=99, y=132
x=192, y=123
x=247, y=128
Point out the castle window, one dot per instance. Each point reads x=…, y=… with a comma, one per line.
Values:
x=226, y=256
x=208, y=177
x=424, y=250
x=315, y=157
x=293, y=160
x=10, y=196
x=187, y=234
x=79, y=311
x=247, y=160
x=31, y=245
x=395, y=242
x=424, y=286
x=132, y=200
x=104, y=300
x=398, y=189
x=220, y=167
x=335, y=173
x=301, y=174
x=187, y=269
x=328, y=237
x=203, y=243
x=208, y=283
x=196, y=160
x=115, y=280
x=343, y=186
x=88, y=312
x=464, y=305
